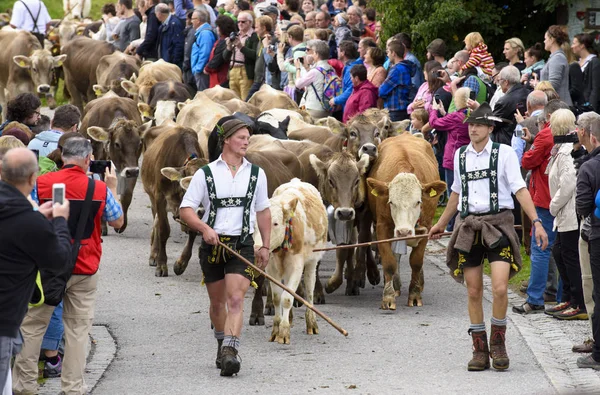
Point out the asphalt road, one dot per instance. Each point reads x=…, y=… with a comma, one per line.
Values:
x=165, y=344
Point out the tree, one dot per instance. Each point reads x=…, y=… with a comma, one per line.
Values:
x=452, y=20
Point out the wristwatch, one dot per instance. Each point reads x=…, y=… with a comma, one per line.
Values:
x=536, y=220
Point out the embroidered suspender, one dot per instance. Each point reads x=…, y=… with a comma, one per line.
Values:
x=491, y=173
x=242, y=201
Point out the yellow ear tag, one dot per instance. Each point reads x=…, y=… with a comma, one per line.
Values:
x=22, y=63
x=59, y=63
x=146, y=114
x=432, y=193
x=98, y=92
x=374, y=192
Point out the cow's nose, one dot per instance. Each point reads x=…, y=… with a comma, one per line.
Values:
x=344, y=214
x=403, y=232
x=130, y=172
x=369, y=149
x=43, y=88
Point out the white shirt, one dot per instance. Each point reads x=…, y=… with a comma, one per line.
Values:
x=229, y=220
x=23, y=21
x=509, y=178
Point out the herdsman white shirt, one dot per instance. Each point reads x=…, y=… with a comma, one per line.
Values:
x=229, y=219
x=23, y=21
x=509, y=178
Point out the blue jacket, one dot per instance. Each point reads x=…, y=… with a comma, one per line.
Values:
x=148, y=48
x=45, y=142
x=205, y=40
x=396, y=88
x=597, y=211
x=346, y=83
x=171, y=41
x=416, y=78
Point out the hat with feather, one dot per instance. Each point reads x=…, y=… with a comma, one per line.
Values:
x=483, y=115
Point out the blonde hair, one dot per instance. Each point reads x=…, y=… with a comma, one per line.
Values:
x=11, y=142
x=420, y=114
x=310, y=34
x=516, y=42
x=566, y=47
x=473, y=39
x=548, y=89
x=460, y=97
x=562, y=121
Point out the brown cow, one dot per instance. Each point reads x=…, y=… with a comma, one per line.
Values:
x=113, y=69
x=150, y=74
x=83, y=57
x=173, y=156
x=342, y=184
x=237, y=105
x=24, y=65
x=163, y=101
x=268, y=98
x=403, y=190
x=115, y=125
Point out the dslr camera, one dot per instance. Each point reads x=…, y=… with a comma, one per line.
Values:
x=232, y=36
x=273, y=47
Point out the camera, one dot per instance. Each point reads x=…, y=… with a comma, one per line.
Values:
x=436, y=98
x=569, y=138
x=232, y=36
x=98, y=166
x=519, y=132
x=473, y=95
x=273, y=47
x=301, y=59
x=440, y=73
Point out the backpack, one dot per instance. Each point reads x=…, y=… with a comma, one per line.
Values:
x=332, y=87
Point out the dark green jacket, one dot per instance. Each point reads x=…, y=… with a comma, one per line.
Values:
x=250, y=52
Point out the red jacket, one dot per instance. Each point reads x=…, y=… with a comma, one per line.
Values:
x=536, y=160
x=363, y=97
x=76, y=182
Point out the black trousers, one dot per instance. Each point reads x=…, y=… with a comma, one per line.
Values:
x=566, y=256
x=595, y=266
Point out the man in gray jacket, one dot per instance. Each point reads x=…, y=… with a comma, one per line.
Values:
x=128, y=28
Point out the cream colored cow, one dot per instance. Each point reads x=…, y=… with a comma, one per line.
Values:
x=150, y=74
x=201, y=114
x=298, y=225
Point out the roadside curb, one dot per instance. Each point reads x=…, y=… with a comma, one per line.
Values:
x=546, y=339
x=102, y=349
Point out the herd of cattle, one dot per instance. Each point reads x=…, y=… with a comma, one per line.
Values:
x=373, y=175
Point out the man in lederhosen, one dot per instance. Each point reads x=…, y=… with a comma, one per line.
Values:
x=234, y=194
x=485, y=175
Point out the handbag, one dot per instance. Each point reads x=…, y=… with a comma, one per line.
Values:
x=54, y=283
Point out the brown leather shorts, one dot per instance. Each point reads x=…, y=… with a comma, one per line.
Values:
x=216, y=261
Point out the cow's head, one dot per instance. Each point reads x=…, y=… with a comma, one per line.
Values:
x=341, y=182
x=405, y=195
x=123, y=142
x=183, y=176
x=282, y=213
x=40, y=65
x=364, y=136
x=130, y=87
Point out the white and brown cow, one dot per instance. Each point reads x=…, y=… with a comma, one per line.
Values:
x=24, y=65
x=268, y=98
x=163, y=101
x=298, y=226
x=403, y=191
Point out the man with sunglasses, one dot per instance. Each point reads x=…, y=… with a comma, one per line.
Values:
x=241, y=52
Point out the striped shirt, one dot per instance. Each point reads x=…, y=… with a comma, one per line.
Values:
x=480, y=57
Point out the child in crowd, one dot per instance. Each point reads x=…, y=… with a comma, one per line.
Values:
x=478, y=54
x=418, y=119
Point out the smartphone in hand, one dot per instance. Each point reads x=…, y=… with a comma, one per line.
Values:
x=58, y=193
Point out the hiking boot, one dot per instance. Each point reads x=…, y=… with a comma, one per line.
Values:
x=481, y=353
x=53, y=370
x=230, y=363
x=559, y=308
x=549, y=299
x=573, y=313
x=527, y=308
x=585, y=348
x=588, y=362
x=498, y=353
x=218, y=360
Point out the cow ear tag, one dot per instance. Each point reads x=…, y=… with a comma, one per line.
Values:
x=59, y=63
x=98, y=92
x=432, y=193
x=374, y=192
x=22, y=63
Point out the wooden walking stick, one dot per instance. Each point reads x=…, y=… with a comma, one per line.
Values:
x=370, y=243
x=280, y=285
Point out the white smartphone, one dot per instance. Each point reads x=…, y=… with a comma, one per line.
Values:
x=58, y=193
